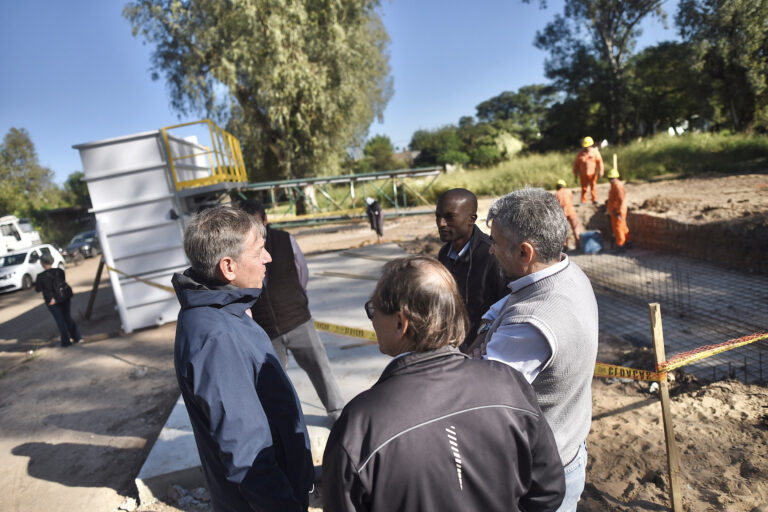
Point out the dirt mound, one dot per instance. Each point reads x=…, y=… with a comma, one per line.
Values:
x=722, y=437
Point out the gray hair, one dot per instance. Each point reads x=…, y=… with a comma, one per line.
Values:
x=216, y=233
x=532, y=215
x=426, y=293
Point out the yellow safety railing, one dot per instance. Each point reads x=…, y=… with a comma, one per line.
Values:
x=225, y=158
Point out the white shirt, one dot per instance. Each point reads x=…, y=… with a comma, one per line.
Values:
x=521, y=346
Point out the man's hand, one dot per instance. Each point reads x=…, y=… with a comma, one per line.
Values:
x=53, y=301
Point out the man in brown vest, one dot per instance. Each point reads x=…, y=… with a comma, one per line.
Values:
x=283, y=311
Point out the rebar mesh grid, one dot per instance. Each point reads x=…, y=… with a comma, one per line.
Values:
x=701, y=304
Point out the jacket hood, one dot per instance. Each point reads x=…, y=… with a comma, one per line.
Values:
x=193, y=290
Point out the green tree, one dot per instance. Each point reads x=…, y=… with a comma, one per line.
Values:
x=379, y=152
x=666, y=89
x=485, y=155
x=525, y=109
x=302, y=81
x=76, y=190
x=731, y=42
x=438, y=147
x=596, y=36
x=26, y=185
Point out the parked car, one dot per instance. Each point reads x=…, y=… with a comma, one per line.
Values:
x=18, y=270
x=87, y=243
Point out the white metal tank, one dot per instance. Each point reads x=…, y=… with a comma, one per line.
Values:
x=141, y=198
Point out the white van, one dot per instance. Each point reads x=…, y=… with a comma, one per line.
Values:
x=17, y=234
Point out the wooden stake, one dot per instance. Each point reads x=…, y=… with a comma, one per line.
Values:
x=94, y=290
x=615, y=162
x=673, y=461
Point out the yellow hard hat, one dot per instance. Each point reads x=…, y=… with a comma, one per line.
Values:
x=613, y=173
x=587, y=142
x=562, y=183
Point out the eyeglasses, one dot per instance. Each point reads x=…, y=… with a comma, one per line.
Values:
x=369, y=309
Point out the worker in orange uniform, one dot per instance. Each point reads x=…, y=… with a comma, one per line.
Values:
x=588, y=166
x=617, y=209
x=565, y=198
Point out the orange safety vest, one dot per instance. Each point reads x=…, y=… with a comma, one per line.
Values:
x=587, y=161
x=565, y=198
x=617, y=199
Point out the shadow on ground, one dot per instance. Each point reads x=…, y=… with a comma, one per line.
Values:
x=79, y=465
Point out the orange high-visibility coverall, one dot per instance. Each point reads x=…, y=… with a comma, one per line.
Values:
x=588, y=166
x=565, y=198
x=617, y=209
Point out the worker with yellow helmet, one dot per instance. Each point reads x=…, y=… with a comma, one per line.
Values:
x=588, y=166
x=565, y=198
x=616, y=206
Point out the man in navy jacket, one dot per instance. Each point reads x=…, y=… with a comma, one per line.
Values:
x=245, y=414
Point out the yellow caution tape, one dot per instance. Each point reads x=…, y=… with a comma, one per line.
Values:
x=150, y=283
x=354, y=332
x=611, y=371
x=709, y=350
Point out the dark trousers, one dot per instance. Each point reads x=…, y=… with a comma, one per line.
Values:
x=309, y=352
x=67, y=326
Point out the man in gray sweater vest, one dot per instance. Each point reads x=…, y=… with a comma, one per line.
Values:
x=546, y=328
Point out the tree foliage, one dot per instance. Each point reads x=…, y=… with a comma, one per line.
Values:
x=478, y=144
x=76, y=190
x=439, y=147
x=731, y=45
x=666, y=90
x=26, y=185
x=378, y=155
x=296, y=82
x=589, y=45
x=525, y=110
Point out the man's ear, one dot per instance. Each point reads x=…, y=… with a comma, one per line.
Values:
x=227, y=268
x=473, y=217
x=527, y=252
x=402, y=324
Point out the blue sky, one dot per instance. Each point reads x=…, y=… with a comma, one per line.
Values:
x=73, y=73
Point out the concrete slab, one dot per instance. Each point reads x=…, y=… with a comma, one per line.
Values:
x=173, y=458
x=339, y=284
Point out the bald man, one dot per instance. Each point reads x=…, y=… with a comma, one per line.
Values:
x=465, y=254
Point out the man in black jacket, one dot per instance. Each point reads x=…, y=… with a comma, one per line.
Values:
x=416, y=441
x=465, y=254
x=245, y=414
x=283, y=311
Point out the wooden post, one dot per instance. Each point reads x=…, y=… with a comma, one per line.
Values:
x=95, y=289
x=615, y=162
x=673, y=461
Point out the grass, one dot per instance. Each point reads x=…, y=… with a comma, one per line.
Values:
x=686, y=155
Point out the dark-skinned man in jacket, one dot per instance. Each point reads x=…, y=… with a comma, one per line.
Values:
x=465, y=255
